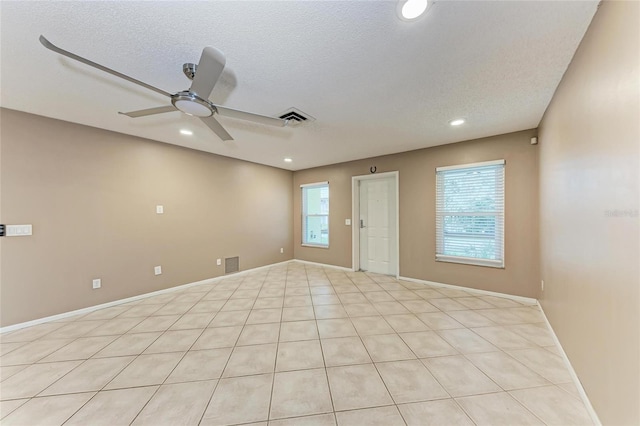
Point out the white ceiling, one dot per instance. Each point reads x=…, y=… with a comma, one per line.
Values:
x=375, y=84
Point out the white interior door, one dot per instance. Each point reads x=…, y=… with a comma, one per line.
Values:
x=378, y=225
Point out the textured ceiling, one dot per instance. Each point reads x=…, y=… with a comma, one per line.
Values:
x=374, y=84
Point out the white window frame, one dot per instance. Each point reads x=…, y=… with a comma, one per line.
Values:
x=440, y=257
x=304, y=214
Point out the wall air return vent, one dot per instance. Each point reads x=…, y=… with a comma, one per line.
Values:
x=231, y=264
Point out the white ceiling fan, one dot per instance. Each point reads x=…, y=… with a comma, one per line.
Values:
x=193, y=101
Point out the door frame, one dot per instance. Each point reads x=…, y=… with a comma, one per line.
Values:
x=355, y=217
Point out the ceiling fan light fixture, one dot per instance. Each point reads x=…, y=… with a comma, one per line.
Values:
x=412, y=9
x=193, y=101
x=191, y=104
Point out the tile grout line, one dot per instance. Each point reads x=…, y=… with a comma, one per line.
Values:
x=326, y=369
x=226, y=363
x=230, y=354
x=94, y=395
x=502, y=389
x=434, y=377
x=582, y=393
x=118, y=373
x=324, y=362
x=135, y=358
x=465, y=355
x=275, y=358
x=380, y=375
x=175, y=366
x=341, y=304
x=377, y=371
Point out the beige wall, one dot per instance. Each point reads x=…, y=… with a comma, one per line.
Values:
x=589, y=147
x=417, y=212
x=91, y=195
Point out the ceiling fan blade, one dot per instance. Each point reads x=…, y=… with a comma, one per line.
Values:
x=46, y=43
x=208, y=72
x=149, y=111
x=217, y=128
x=249, y=116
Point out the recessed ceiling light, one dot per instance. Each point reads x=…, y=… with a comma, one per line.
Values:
x=457, y=122
x=186, y=132
x=288, y=160
x=411, y=9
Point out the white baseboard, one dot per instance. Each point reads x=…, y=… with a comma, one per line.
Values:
x=212, y=280
x=527, y=300
x=323, y=265
x=130, y=299
x=572, y=372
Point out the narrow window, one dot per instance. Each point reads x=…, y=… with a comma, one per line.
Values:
x=315, y=214
x=470, y=214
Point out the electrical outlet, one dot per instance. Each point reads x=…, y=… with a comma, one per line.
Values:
x=542, y=285
x=281, y=250
x=159, y=209
x=219, y=262
x=97, y=283
x=157, y=270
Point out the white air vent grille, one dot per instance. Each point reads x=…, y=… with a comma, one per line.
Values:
x=231, y=265
x=295, y=116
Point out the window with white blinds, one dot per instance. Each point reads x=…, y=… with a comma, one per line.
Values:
x=470, y=214
x=315, y=214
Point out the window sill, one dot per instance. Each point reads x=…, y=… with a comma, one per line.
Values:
x=471, y=261
x=316, y=246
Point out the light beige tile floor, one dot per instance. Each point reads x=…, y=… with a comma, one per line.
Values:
x=292, y=345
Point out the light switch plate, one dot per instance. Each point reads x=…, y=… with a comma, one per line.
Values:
x=219, y=262
x=97, y=283
x=18, y=230
x=160, y=209
x=157, y=270
x=347, y=222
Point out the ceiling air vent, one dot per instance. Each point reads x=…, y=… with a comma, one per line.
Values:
x=295, y=116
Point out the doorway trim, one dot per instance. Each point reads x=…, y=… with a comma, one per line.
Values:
x=355, y=216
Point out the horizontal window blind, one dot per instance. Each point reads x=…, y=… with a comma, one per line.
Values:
x=315, y=214
x=470, y=214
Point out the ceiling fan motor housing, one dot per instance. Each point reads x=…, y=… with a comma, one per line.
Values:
x=193, y=101
x=190, y=103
